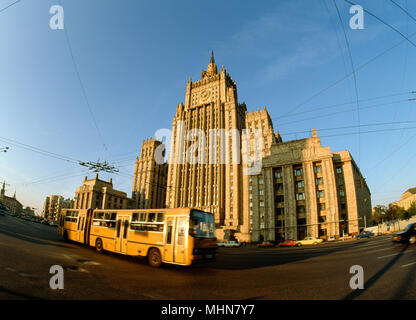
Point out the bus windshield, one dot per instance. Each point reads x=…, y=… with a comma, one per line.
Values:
x=201, y=224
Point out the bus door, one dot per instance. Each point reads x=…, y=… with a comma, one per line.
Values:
x=122, y=226
x=175, y=241
x=169, y=239
x=80, y=227
x=181, y=242
x=87, y=226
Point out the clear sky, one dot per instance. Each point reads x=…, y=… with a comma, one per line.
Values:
x=135, y=57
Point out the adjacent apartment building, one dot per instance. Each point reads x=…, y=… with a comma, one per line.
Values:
x=53, y=205
x=306, y=190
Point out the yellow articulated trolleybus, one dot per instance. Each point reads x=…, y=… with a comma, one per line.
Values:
x=179, y=236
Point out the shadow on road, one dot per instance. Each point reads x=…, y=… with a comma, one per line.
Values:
x=356, y=293
x=32, y=239
x=17, y=294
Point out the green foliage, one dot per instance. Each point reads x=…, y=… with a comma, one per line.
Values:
x=412, y=209
x=379, y=214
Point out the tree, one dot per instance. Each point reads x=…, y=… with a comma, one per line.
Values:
x=391, y=213
x=379, y=215
x=402, y=214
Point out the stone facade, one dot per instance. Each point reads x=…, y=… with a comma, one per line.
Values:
x=213, y=146
x=408, y=197
x=149, y=184
x=99, y=194
x=305, y=190
x=196, y=177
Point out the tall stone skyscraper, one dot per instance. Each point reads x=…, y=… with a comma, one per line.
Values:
x=206, y=172
x=149, y=184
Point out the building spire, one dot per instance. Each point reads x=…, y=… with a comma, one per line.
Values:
x=212, y=67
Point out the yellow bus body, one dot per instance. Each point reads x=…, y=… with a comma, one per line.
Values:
x=138, y=232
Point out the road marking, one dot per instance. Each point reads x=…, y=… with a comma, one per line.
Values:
x=409, y=264
x=394, y=254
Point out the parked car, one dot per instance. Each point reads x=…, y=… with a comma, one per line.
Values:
x=406, y=236
x=266, y=244
x=229, y=244
x=287, y=243
x=331, y=238
x=308, y=241
x=45, y=222
x=364, y=234
x=53, y=224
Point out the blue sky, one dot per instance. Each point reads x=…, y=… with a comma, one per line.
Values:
x=135, y=57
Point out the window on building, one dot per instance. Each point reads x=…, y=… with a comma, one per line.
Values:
x=319, y=181
x=298, y=172
x=260, y=180
x=261, y=203
x=300, y=209
x=321, y=206
x=317, y=169
x=338, y=169
x=261, y=192
x=280, y=198
x=341, y=193
x=279, y=186
x=300, y=184
x=320, y=193
x=278, y=174
x=300, y=196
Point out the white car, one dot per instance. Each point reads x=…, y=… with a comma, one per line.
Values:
x=229, y=244
x=308, y=241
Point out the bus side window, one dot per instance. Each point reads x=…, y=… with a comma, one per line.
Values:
x=169, y=236
x=118, y=228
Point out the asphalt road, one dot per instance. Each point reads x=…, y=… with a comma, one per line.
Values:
x=28, y=250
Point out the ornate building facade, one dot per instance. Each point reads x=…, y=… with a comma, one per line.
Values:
x=214, y=148
x=99, y=194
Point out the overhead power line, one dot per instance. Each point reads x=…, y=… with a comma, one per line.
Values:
x=84, y=92
x=362, y=66
x=1, y=10
x=345, y=111
x=350, y=127
x=404, y=10
x=354, y=77
x=384, y=22
x=314, y=109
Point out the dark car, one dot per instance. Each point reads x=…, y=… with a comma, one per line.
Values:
x=364, y=234
x=406, y=236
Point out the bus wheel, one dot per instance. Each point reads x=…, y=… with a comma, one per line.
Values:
x=154, y=258
x=99, y=245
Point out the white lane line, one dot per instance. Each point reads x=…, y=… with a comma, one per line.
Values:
x=409, y=264
x=394, y=254
x=360, y=248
